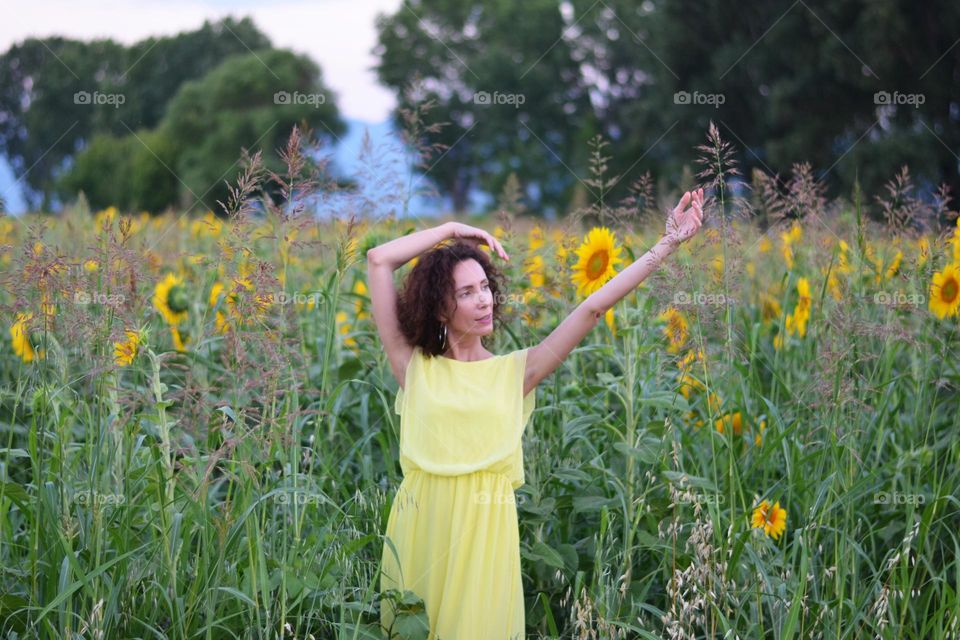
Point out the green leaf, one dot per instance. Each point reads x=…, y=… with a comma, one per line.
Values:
x=592, y=503
x=227, y=410
x=543, y=553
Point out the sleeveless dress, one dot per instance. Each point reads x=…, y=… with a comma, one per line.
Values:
x=453, y=521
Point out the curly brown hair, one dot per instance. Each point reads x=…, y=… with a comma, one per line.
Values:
x=428, y=290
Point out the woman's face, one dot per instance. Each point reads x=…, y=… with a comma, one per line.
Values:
x=473, y=300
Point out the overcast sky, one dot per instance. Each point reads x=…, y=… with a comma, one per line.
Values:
x=337, y=34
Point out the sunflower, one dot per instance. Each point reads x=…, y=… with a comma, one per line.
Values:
x=345, y=328
x=803, y=288
x=714, y=402
x=788, y=239
x=688, y=383
x=535, y=238
x=596, y=259
x=843, y=258
x=124, y=352
x=535, y=269
x=717, y=264
x=758, y=439
x=258, y=302
x=833, y=283
x=170, y=299
x=890, y=270
x=209, y=226
x=923, y=251
x=735, y=421
x=797, y=321
x=220, y=320
x=180, y=341
x=360, y=288
x=676, y=329
x=773, y=520
x=955, y=242
x=611, y=321
x=560, y=241
x=945, y=291
x=531, y=315
x=20, y=334
x=769, y=307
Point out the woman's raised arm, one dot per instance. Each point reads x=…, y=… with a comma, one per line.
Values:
x=382, y=261
x=386, y=258
x=542, y=359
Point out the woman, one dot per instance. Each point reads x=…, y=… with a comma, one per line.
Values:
x=452, y=536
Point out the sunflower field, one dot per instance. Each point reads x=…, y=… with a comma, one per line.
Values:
x=197, y=436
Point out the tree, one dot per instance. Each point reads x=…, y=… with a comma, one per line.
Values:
x=131, y=172
x=56, y=94
x=785, y=82
x=513, y=96
x=250, y=101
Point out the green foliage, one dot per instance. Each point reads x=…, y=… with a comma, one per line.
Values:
x=131, y=172
x=42, y=125
x=788, y=82
x=249, y=102
x=196, y=148
x=491, y=48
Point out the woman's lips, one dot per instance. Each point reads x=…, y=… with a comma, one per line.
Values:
x=485, y=319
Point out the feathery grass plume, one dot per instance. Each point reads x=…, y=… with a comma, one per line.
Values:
x=768, y=202
x=598, y=212
x=804, y=193
x=641, y=200
x=415, y=134
x=719, y=165
x=511, y=196
x=699, y=592
x=902, y=210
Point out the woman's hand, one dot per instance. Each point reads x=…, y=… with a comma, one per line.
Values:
x=476, y=237
x=685, y=219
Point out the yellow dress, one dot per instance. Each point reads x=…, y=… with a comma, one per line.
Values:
x=453, y=520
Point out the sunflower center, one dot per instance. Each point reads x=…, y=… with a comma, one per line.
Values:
x=950, y=290
x=177, y=300
x=597, y=264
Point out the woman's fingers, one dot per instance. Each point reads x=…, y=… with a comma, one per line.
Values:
x=494, y=244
